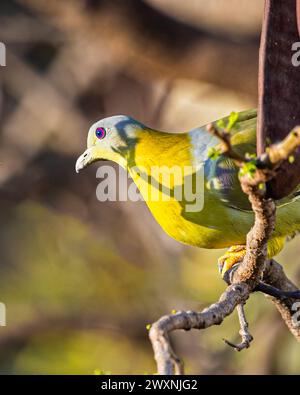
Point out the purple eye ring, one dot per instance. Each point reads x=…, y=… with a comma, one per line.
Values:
x=100, y=133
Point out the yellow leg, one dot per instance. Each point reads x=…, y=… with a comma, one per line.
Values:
x=233, y=255
x=236, y=254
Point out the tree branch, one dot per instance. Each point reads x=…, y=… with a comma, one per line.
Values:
x=255, y=267
x=167, y=362
x=275, y=276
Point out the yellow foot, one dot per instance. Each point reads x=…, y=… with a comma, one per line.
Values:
x=232, y=256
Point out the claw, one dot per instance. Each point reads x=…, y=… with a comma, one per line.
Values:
x=233, y=256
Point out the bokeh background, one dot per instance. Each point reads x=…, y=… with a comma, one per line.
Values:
x=82, y=279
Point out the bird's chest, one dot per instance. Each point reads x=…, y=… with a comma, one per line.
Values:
x=184, y=216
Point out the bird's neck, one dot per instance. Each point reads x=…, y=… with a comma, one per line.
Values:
x=155, y=148
x=156, y=159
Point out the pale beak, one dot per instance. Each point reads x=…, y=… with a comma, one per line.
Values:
x=84, y=160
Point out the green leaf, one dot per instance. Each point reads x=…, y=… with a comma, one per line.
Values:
x=221, y=124
x=291, y=159
x=249, y=169
x=233, y=118
x=214, y=153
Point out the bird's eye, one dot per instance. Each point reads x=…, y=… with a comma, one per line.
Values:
x=100, y=133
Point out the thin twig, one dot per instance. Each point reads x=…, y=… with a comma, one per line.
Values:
x=277, y=293
x=244, y=331
x=226, y=147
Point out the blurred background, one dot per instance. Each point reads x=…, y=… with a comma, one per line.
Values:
x=82, y=279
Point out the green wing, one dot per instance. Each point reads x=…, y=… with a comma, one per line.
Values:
x=222, y=174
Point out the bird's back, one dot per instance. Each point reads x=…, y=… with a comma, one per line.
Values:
x=221, y=174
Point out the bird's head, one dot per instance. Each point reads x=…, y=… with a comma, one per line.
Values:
x=112, y=138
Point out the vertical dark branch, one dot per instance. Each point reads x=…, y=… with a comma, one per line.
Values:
x=279, y=93
x=298, y=16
